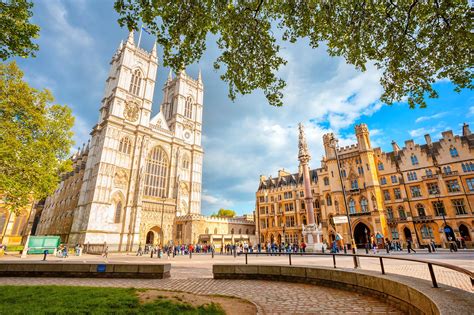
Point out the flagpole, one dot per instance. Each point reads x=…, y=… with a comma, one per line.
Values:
x=140, y=36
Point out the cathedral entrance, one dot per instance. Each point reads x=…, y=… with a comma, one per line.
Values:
x=361, y=235
x=154, y=236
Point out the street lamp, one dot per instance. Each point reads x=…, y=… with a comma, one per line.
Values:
x=333, y=144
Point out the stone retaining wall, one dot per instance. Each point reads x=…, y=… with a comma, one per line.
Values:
x=411, y=295
x=85, y=270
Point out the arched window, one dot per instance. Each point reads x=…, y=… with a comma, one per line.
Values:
x=156, y=173
x=414, y=160
x=125, y=145
x=401, y=213
x=421, y=210
x=185, y=163
x=426, y=232
x=326, y=181
x=336, y=206
x=352, y=206
x=188, y=108
x=364, y=205
x=453, y=152
x=135, y=82
x=383, y=181
x=118, y=212
x=380, y=166
x=240, y=231
x=389, y=213
x=328, y=200
x=447, y=169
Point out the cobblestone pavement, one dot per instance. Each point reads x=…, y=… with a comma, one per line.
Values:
x=270, y=297
x=200, y=266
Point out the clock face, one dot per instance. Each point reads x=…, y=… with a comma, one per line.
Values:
x=187, y=135
x=131, y=111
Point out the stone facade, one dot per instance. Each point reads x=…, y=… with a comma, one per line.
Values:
x=412, y=193
x=138, y=172
x=14, y=226
x=213, y=230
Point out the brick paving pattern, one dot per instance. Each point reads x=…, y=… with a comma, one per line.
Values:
x=269, y=297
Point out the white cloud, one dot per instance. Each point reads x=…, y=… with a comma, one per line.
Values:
x=425, y=118
x=471, y=111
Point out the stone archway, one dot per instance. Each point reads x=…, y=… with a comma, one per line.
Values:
x=464, y=232
x=448, y=231
x=154, y=236
x=361, y=235
x=407, y=234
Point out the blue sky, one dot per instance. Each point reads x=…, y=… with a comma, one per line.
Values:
x=245, y=138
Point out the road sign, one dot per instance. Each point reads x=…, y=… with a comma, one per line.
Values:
x=340, y=219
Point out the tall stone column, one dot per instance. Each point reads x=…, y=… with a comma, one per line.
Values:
x=311, y=231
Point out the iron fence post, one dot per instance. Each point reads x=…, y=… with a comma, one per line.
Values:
x=246, y=258
x=289, y=257
x=381, y=265
x=433, y=277
x=334, y=260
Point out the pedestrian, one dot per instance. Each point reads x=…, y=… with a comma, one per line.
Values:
x=433, y=246
x=409, y=247
x=106, y=252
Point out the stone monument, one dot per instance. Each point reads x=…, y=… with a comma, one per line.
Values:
x=311, y=231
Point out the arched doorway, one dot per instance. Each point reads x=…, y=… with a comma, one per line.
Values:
x=154, y=236
x=272, y=239
x=361, y=235
x=407, y=233
x=150, y=236
x=464, y=232
x=279, y=238
x=448, y=231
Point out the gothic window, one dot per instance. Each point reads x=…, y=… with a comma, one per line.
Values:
x=380, y=166
x=188, y=108
x=438, y=207
x=328, y=200
x=453, y=152
x=421, y=210
x=414, y=160
x=447, y=170
x=429, y=173
x=364, y=205
x=386, y=195
x=118, y=212
x=156, y=173
x=458, y=205
x=135, y=82
x=354, y=184
x=394, y=179
x=125, y=145
x=426, y=232
x=470, y=184
x=215, y=230
x=383, y=181
x=401, y=213
x=185, y=163
x=394, y=233
x=326, y=181
x=352, y=206
x=389, y=213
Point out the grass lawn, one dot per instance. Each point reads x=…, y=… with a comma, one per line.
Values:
x=90, y=300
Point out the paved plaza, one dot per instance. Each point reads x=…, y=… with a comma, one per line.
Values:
x=194, y=275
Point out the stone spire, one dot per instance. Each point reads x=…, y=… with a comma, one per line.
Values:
x=170, y=76
x=303, y=154
x=153, y=51
x=121, y=45
x=200, y=76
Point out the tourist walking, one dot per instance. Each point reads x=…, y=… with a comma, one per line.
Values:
x=409, y=247
x=106, y=252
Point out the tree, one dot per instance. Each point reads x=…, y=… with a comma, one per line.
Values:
x=17, y=32
x=414, y=42
x=35, y=138
x=224, y=213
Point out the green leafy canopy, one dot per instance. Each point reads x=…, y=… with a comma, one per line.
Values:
x=35, y=138
x=414, y=43
x=224, y=213
x=16, y=31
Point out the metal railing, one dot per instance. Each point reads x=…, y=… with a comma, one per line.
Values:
x=429, y=263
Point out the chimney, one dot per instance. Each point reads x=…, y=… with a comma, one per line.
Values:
x=428, y=140
x=465, y=130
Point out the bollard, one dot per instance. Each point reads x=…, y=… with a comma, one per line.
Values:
x=212, y=251
x=45, y=253
x=345, y=249
x=367, y=249
x=429, y=248
x=151, y=255
x=235, y=253
x=388, y=250
x=190, y=254
x=289, y=258
x=322, y=249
